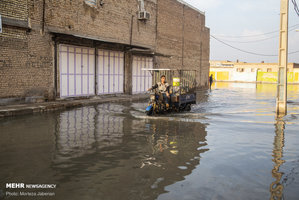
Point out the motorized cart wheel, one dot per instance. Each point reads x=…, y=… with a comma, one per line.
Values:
x=188, y=107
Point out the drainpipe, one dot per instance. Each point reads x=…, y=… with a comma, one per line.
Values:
x=183, y=36
x=43, y=17
x=55, y=68
x=200, y=65
x=141, y=5
x=157, y=15
x=96, y=69
x=131, y=31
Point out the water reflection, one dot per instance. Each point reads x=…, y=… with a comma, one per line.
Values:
x=101, y=148
x=276, y=187
x=78, y=130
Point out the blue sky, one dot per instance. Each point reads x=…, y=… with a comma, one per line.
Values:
x=227, y=18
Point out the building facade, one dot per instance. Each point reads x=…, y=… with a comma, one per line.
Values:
x=251, y=72
x=60, y=49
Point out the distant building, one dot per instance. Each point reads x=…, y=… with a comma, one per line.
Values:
x=251, y=72
x=61, y=49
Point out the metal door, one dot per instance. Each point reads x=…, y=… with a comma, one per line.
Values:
x=142, y=80
x=76, y=71
x=110, y=72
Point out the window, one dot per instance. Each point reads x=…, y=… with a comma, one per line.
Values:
x=240, y=69
x=252, y=70
x=269, y=70
x=91, y=2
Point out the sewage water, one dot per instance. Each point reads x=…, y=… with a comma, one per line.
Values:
x=230, y=146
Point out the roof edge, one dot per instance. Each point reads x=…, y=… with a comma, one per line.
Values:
x=190, y=6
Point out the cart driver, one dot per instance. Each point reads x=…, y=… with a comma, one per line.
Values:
x=163, y=87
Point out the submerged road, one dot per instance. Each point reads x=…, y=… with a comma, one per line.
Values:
x=230, y=146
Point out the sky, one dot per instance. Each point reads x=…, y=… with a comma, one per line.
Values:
x=230, y=19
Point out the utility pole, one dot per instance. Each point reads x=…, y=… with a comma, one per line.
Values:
x=281, y=101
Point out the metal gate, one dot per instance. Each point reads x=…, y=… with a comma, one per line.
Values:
x=142, y=80
x=110, y=72
x=76, y=65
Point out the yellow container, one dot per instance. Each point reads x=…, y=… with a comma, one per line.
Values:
x=176, y=82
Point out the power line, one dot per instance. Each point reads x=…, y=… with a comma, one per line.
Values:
x=245, y=51
x=295, y=7
x=262, y=34
x=252, y=41
x=259, y=40
x=294, y=52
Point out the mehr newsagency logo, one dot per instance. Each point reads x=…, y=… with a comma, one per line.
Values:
x=22, y=189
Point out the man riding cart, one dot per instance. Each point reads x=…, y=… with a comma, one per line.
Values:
x=163, y=88
x=177, y=96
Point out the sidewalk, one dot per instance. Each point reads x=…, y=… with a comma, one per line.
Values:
x=24, y=109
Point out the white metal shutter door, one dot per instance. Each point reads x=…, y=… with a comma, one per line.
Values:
x=110, y=72
x=142, y=80
x=76, y=71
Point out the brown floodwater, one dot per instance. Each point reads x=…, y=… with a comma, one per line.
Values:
x=230, y=146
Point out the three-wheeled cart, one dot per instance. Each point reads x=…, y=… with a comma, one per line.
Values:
x=182, y=91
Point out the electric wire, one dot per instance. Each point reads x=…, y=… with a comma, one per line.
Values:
x=251, y=41
x=256, y=35
x=249, y=52
x=295, y=7
x=258, y=40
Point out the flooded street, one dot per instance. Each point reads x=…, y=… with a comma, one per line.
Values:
x=230, y=146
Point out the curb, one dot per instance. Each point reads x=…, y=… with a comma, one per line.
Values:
x=26, y=109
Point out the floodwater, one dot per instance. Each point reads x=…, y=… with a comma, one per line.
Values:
x=231, y=146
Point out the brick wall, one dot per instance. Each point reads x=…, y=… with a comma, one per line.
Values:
x=26, y=65
x=26, y=58
x=16, y=9
x=111, y=22
x=183, y=38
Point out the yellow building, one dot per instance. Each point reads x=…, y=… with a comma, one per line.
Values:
x=251, y=72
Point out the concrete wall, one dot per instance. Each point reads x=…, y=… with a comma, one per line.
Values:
x=231, y=75
x=248, y=75
x=271, y=77
x=222, y=74
x=175, y=32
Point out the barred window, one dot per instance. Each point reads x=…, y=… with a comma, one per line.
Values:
x=91, y=2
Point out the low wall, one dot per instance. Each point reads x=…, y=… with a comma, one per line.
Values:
x=271, y=77
x=244, y=76
x=262, y=77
